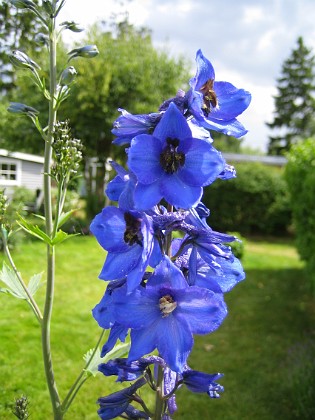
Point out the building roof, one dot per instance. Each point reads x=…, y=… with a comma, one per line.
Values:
x=21, y=156
x=268, y=160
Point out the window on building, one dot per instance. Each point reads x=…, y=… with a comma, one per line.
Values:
x=9, y=172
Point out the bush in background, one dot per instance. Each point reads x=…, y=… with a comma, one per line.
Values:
x=256, y=201
x=300, y=176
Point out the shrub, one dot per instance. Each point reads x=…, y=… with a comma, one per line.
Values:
x=256, y=201
x=238, y=247
x=300, y=176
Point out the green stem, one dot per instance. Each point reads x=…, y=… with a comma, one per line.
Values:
x=46, y=347
x=159, y=401
x=78, y=383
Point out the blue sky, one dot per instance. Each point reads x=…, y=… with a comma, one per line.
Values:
x=246, y=41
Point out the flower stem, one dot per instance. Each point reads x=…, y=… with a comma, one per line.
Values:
x=46, y=347
x=159, y=401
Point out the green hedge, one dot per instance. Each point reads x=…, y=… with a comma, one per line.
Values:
x=256, y=201
x=300, y=175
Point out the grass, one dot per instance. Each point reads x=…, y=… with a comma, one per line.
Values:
x=269, y=314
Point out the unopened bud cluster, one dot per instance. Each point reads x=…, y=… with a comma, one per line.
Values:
x=67, y=152
x=3, y=207
x=20, y=408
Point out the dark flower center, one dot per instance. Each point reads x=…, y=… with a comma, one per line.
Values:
x=209, y=97
x=167, y=305
x=170, y=158
x=132, y=234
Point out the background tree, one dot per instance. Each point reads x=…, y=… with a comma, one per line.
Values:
x=294, y=102
x=17, y=31
x=226, y=143
x=129, y=72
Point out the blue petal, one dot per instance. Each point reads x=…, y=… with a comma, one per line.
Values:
x=118, y=265
x=203, y=310
x=231, y=101
x=168, y=274
x=144, y=158
x=178, y=193
x=143, y=342
x=147, y=196
x=203, y=163
x=173, y=124
x=205, y=71
x=117, y=332
x=109, y=227
x=175, y=342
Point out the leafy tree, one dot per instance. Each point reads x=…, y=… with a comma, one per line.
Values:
x=129, y=72
x=17, y=31
x=294, y=102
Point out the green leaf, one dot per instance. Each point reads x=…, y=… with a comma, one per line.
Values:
x=15, y=288
x=35, y=283
x=62, y=236
x=34, y=230
x=64, y=217
x=120, y=350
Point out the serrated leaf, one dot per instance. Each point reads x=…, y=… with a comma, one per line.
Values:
x=35, y=283
x=10, y=279
x=64, y=217
x=120, y=350
x=34, y=230
x=62, y=236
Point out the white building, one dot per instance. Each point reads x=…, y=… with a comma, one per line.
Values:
x=21, y=170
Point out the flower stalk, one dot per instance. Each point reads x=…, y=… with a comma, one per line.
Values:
x=46, y=341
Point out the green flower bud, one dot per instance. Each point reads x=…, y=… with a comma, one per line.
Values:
x=17, y=108
x=72, y=26
x=68, y=76
x=23, y=4
x=89, y=51
x=21, y=60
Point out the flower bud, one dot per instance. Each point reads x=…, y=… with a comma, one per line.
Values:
x=89, y=51
x=72, y=26
x=18, y=108
x=48, y=7
x=68, y=76
x=22, y=60
x=41, y=39
x=23, y=4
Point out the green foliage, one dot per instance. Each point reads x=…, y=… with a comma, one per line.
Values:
x=17, y=31
x=255, y=201
x=301, y=377
x=238, y=247
x=294, y=102
x=300, y=176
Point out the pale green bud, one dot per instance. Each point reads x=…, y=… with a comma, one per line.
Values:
x=68, y=76
x=89, y=51
x=18, y=108
x=23, y=4
x=72, y=26
x=21, y=60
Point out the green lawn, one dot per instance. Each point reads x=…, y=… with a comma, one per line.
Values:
x=269, y=314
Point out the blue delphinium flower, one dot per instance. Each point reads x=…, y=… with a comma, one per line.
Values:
x=162, y=291
x=127, y=126
x=202, y=382
x=128, y=238
x=215, y=105
x=166, y=313
x=171, y=164
x=117, y=403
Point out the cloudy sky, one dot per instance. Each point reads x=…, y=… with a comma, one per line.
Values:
x=246, y=40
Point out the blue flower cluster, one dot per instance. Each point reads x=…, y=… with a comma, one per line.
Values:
x=163, y=289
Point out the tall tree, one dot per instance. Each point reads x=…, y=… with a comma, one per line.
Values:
x=17, y=31
x=294, y=102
